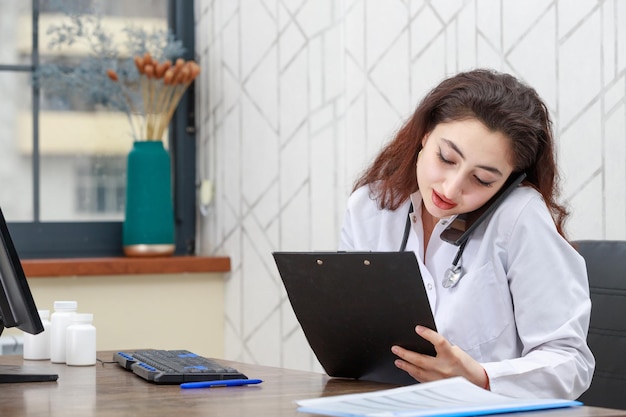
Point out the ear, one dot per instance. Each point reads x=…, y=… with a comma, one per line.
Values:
x=424, y=139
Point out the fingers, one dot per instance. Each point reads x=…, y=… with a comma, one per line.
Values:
x=411, y=369
x=416, y=364
x=438, y=341
x=410, y=362
x=422, y=367
x=408, y=355
x=449, y=361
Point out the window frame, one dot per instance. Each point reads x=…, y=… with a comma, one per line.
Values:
x=38, y=239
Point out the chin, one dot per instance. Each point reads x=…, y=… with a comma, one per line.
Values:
x=436, y=211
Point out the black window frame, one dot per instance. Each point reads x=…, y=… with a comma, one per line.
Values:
x=37, y=239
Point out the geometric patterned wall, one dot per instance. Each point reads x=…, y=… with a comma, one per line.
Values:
x=297, y=96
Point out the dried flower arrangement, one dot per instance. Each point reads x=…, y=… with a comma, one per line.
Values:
x=149, y=77
x=162, y=85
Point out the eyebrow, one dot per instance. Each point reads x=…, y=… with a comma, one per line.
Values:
x=457, y=150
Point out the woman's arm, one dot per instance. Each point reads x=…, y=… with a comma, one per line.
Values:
x=550, y=293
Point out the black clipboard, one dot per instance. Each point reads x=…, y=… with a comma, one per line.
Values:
x=353, y=306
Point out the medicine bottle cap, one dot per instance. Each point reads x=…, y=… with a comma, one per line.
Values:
x=65, y=305
x=82, y=318
x=44, y=314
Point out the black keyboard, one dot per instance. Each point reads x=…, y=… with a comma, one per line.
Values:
x=174, y=366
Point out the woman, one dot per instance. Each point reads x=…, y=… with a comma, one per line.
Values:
x=516, y=321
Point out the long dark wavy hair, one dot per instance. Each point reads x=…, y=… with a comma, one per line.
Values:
x=503, y=104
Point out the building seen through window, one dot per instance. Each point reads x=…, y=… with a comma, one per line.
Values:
x=82, y=146
x=63, y=153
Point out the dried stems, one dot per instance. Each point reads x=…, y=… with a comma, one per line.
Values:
x=161, y=84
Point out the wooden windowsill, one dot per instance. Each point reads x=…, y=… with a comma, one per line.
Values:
x=37, y=268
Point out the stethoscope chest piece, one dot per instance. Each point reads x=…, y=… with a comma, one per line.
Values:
x=452, y=276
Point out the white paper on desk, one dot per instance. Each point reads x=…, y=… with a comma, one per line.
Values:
x=447, y=397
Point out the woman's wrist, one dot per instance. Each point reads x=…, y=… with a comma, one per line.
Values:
x=487, y=385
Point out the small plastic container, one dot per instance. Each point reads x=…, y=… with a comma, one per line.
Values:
x=37, y=346
x=81, y=341
x=59, y=321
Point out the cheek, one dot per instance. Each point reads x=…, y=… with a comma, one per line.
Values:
x=427, y=174
x=476, y=200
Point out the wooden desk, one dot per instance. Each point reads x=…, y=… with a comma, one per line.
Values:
x=107, y=390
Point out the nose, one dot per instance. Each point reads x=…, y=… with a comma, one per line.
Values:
x=453, y=186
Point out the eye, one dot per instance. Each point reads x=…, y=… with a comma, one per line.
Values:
x=483, y=183
x=443, y=159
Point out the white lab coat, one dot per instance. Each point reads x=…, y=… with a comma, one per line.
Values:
x=521, y=308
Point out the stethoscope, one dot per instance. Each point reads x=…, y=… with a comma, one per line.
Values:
x=453, y=275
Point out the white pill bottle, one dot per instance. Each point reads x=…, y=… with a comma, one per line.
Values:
x=81, y=341
x=37, y=346
x=59, y=322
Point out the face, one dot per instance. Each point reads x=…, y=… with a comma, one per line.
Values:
x=461, y=166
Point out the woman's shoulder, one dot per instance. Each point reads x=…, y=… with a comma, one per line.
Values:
x=526, y=198
x=524, y=206
x=523, y=196
x=363, y=197
x=364, y=191
x=363, y=203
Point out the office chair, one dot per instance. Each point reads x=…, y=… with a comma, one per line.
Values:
x=606, y=267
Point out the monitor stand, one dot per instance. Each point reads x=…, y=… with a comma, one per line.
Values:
x=11, y=374
x=24, y=373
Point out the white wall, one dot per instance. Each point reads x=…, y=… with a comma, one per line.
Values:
x=137, y=311
x=297, y=96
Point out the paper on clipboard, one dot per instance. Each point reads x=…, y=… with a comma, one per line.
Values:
x=447, y=397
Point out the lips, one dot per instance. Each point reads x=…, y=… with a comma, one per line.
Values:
x=441, y=202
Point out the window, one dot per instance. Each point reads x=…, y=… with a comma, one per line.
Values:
x=63, y=155
x=100, y=187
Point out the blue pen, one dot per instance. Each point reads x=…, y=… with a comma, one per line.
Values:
x=220, y=383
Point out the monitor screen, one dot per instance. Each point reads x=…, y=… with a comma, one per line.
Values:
x=17, y=307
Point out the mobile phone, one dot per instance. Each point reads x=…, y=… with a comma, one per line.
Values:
x=459, y=230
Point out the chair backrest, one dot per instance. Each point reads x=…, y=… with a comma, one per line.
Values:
x=606, y=267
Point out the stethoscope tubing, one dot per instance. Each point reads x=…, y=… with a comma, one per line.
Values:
x=457, y=257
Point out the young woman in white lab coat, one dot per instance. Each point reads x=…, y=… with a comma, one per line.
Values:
x=515, y=320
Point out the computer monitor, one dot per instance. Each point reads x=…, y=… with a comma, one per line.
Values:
x=17, y=307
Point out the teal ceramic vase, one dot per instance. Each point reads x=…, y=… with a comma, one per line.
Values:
x=148, y=228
